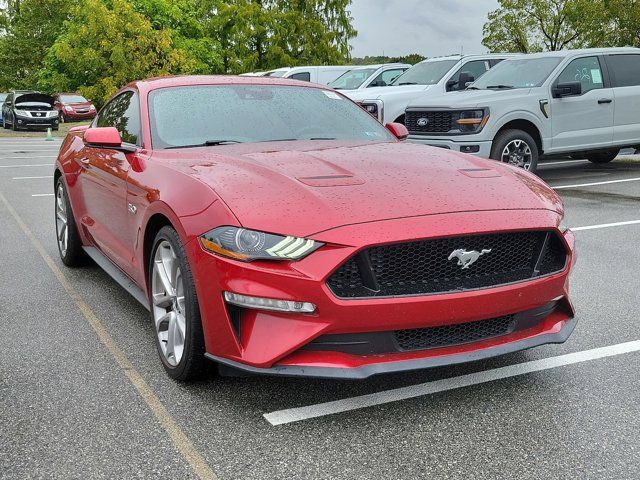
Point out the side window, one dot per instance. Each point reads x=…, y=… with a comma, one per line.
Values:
x=625, y=70
x=304, y=76
x=477, y=68
x=123, y=112
x=494, y=61
x=385, y=78
x=585, y=70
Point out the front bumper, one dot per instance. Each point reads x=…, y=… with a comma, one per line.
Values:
x=459, y=144
x=275, y=343
x=33, y=122
x=79, y=116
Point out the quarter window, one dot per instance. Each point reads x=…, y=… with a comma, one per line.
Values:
x=585, y=70
x=625, y=69
x=304, y=76
x=123, y=113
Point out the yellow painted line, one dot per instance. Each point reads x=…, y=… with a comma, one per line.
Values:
x=180, y=440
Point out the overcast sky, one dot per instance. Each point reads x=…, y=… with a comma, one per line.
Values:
x=428, y=27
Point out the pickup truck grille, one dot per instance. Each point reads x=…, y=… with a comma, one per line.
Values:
x=436, y=122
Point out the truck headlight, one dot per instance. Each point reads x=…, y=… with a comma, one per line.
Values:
x=472, y=121
x=248, y=245
x=375, y=108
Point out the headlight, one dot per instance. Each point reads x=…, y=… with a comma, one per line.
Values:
x=375, y=108
x=472, y=121
x=68, y=108
x=247, y=245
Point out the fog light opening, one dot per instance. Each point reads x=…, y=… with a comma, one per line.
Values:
x=261, y=303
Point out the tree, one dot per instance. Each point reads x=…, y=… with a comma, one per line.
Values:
x=266, y=34
x=537, y=25
x=106, y=45
x=30, y=28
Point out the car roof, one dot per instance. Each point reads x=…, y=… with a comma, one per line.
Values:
x=380, y=65
x=578, y=52
x=194, y=80
x=468, y=57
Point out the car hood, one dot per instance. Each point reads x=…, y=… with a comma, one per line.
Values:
x=376, y=93
x=302, y=188
x=468, y=98
x=34, y=98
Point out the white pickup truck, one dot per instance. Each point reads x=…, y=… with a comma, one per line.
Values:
x=433, y=76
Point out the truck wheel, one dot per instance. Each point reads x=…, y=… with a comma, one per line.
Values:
x=603, y=157
x=517, y=148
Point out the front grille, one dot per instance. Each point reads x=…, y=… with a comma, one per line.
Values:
x=447, y=264
x=446, y=335
x=437, y=121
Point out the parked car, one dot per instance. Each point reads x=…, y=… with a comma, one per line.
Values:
x=73, y=107
x=275, y=227
x=369, y=76
x=2, y=98
x=579, y=103
x=25, y=109
x=316, y=74
x=429, y=77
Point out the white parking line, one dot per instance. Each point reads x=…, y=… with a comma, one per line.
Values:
x=29, y=165
x=605, y=225
x=379, y=398
x=31, y=178
x=551, y=162
x=560, y=187
x=24, y=157
x=42, y=195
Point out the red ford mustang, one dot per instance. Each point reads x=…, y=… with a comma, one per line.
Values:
x=275, y=227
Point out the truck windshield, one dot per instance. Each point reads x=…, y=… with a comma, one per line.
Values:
x=426, y=73
x=518, y=73
x=210, y=115
x=352, y=79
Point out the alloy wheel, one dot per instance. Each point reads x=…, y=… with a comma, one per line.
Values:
x=167, y=296
x=62, y=230
x=517, y=152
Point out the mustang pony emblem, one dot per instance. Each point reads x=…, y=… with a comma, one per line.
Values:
x=465, y=258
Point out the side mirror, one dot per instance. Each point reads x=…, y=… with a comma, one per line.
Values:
x=567, y=89
x=106, y=137
x=398, y=130
x=465, y=80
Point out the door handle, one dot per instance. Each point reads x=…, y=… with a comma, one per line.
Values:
x=84, y=162
x=604, y=100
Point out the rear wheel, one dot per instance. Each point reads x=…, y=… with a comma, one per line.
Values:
x=603, y=157
x=517, y=148
x=174, y=308
x=69, y=242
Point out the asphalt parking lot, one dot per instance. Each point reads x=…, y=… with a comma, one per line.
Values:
x=83, y=395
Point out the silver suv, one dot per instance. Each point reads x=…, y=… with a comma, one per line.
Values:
x=578, y=103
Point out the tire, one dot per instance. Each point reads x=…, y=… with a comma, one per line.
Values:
x=13, y=124
x=4, y=123
x=62, y=119
x=603, y=157
x=517, y=148
x=174, y=308
x=67, y=236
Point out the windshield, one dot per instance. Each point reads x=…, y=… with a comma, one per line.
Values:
x=518, y=73
x=426, y=73
x=197, y=115
x=352, y=79
x=73, y=99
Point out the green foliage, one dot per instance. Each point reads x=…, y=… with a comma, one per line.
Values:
x=266, y=34
x=411, y=59
x=539, y=25
x=105, y=46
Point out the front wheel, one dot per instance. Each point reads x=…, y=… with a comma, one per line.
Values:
x=174, y=308
x=516, y=147
x=69, y=242
x=13, y=124
x=603, y=157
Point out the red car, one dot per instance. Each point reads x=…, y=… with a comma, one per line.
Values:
x=275, y=227
x=73, y=107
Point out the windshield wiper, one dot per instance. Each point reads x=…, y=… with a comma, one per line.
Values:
x=208, y=143
x=500, y=87
x=408, y=83
x=472, y=88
